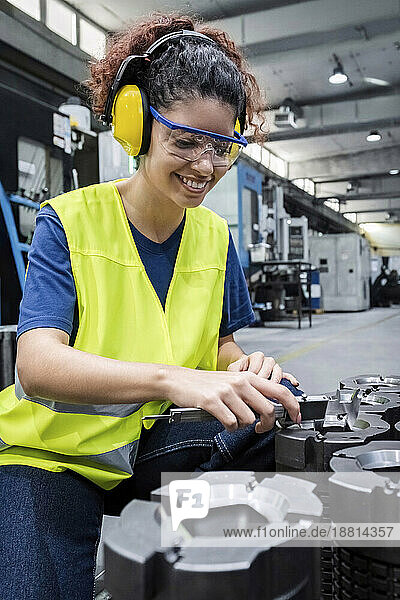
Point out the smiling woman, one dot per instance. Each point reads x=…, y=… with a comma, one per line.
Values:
x=131, y=299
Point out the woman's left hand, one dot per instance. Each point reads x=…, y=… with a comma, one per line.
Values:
x=265, y=366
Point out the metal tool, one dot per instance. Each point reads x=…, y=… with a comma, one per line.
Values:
x=340, y=410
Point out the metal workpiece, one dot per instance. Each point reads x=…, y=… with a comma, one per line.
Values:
x=372, y=383
x=376, y=455
x=278, y=498
x=139, y=568
x=309, y=449
x=360, y=492
x=384, y=404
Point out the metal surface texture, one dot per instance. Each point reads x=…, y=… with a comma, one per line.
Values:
x=138, y=568
x=371, y=496
x=372, y=383
x=311, y=450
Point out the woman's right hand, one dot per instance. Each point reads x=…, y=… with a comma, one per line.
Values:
x=228, y=396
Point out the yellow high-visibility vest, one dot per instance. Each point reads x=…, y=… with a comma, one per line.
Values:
x=120, y=317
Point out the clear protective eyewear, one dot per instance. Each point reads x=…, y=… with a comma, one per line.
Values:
x=190, y=143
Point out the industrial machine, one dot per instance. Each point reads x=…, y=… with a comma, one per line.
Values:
x=385, y=290
x=238, y=199
x=343, y=261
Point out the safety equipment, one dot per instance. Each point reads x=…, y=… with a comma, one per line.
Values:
x=120, y=317
x=127, y=107
x=190, y=143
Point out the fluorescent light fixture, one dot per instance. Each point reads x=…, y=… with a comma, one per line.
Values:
x=376, y=81
x=338, y=76
x=374, y=136
x=394, y=171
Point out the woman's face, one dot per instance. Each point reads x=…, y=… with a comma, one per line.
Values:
x=164, y=171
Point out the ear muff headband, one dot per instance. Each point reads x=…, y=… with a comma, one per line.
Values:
x=127, y=106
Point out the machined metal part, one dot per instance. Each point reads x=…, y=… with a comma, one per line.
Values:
x=374, y=456
x=372, y=383
x=138, y=568
x=384, y=404
x=360, y=492
x=343, y=408
x=311, y=450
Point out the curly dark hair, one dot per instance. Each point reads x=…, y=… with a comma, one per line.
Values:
x=186, y=68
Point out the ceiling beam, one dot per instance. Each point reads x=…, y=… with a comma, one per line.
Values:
x=369, y=196
x=366, y=176
x=311, y=38
x=352, y=164
x=371, y=210
x=309, y=132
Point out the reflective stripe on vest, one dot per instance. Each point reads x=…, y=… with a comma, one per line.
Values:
x=120, y=317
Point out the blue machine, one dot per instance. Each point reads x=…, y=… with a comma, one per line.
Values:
x=249, y=210
x=17, y=247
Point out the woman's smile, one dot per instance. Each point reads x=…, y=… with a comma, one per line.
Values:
x=195, y=186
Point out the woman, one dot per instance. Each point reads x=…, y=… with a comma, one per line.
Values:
x=157, y=291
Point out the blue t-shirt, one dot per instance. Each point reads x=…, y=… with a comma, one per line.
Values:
x=49, y=298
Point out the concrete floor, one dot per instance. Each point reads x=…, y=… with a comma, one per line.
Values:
x=337, y=345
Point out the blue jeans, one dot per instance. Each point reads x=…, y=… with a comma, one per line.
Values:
x=50, y=523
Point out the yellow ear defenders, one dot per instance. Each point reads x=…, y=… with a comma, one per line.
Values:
x=127, y=106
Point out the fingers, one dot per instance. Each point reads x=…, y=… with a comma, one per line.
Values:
x=239, y=365
x=263, y=407
x=279, y=392
x=277, y=373
x=223, y=414
x=256, y=362
x=229, y=409
x=244, y=415
x=291, y=378
x=267, y=367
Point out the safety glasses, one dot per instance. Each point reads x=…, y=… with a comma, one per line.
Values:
x=190, y=143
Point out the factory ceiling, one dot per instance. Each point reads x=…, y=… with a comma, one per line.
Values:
x=293, y=48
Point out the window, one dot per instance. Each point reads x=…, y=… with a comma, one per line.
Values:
x=278, y=165
x=91, y=39
x=333, y=203
x=61, y=20
x=30, y=7
x=351, y=217
x=254, y=151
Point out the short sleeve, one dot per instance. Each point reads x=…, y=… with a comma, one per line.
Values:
x=49, y=294
x=237, y=311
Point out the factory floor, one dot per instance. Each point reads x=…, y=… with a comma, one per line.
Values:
x=337, y=345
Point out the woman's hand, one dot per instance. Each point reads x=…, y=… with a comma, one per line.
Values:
x=265, y=366
x=229, y=396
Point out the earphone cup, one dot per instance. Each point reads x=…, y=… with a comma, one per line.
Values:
x=131, y=123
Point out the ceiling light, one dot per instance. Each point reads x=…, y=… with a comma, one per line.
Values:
x=376, y=81
x=374, y=136
x=338, y=76
x=394, y=171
